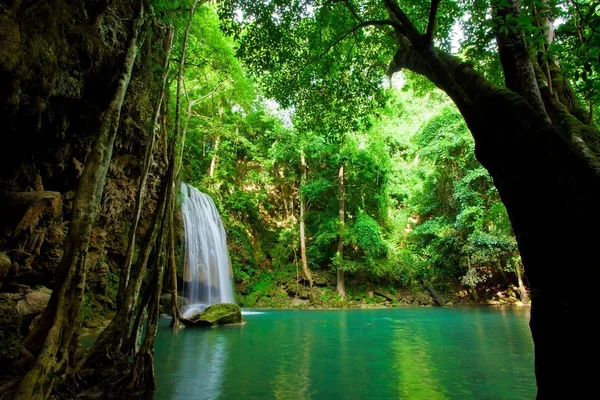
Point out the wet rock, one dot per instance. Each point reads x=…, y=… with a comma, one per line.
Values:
x=217, y=314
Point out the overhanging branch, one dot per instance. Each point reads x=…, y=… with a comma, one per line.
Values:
x=405, y=25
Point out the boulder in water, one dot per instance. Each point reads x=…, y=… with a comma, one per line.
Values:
x=217, y=314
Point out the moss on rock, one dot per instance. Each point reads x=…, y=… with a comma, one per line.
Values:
x=217, y=314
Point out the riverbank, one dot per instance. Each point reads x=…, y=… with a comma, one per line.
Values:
x=285, y=297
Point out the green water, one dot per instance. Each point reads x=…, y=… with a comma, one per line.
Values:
x=403, y=353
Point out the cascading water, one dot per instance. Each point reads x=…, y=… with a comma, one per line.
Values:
x=207, y=274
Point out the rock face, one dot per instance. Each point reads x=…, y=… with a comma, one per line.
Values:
x=34, y=303
x=60, y=62
x=10, y=335
x=217, y=314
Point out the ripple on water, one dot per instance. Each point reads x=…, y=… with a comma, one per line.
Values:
x=245, y=312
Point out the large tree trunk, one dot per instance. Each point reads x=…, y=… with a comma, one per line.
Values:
x=305, y=269
x=549, y=180
x=59, y=327
x=341, y=286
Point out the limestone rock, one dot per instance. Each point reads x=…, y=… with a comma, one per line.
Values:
x=298, y=302
x=217, y=314
x=34, y=303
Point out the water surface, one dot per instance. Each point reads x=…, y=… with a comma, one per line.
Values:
x=401, y=353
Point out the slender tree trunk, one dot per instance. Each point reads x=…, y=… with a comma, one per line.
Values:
x=62, y=318
x=472, y=289
x=125, y=270
x=134, y=341
x=522, y=290
x=174, y=161
x=180, y=77
x=116, y=334
x=305, y=269
x=341, y=287
x=142, y=376
x=213, y=160
x=175, y=303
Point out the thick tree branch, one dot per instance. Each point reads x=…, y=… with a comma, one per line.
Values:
x=431, y=25
x=519, y=74
x=405, y=25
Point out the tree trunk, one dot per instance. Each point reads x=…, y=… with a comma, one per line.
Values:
x=61, y=320
x=213, y=160
x=341, y=287
x=174, y=160
x=117, y=332
x=125, y=270
x=436, y=296
x=546, y=170
x=141, y=377
x=522, y=290
x=175, y=304
x=305, y=269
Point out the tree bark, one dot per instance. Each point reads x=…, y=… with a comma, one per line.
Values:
x=116, y=334
x=62, y=318
x=213, y=160
x=522, y=290
x=304, y=260
x=125, y=270
x=141, y=377
x=175, y=303
x=174, y=161
x=436, y=296
x=341, y=286
x=545, y=172
x=519, y=74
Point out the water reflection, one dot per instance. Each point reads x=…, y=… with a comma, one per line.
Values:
x=417, y=374
x=352, y=354
x=194, y=363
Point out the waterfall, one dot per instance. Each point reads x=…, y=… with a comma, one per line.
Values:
x=207, y=274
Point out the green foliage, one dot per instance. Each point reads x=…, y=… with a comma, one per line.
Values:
x=417, y=204
x=86, y=309
x=461, y=227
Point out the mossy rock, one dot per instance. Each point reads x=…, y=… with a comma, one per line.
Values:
x=10, y=335
x=217, y=314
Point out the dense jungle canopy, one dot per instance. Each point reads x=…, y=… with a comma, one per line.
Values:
x=356, y=150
